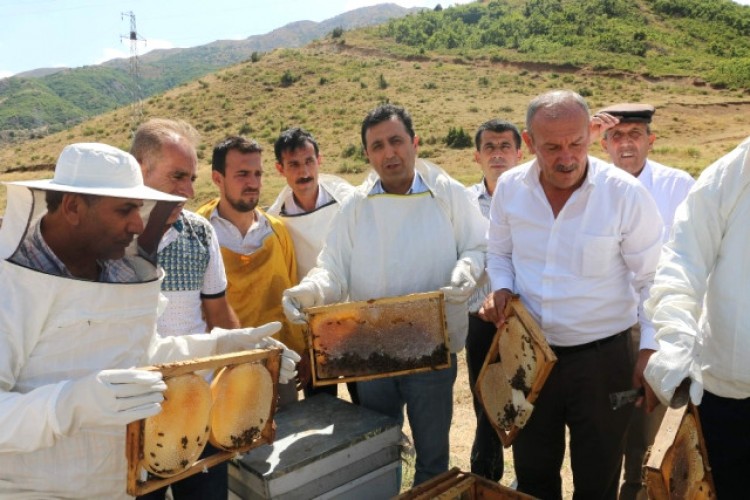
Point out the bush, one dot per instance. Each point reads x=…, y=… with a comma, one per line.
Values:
x=457, y=138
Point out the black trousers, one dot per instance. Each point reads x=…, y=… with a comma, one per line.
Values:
x=332, y=389
x=487, y=449
x=724, y=424
x=211, y=485
x=576, y=395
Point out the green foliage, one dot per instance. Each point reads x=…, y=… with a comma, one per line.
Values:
x=337, y=32
x=457, y=138
x=288, y=79
x=382, y=83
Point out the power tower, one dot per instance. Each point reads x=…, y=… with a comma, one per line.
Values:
x=134, y=37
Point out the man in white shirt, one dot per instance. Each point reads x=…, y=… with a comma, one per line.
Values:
x=306, y=205
x=257, y=250
x=498, y=149
x=700, y=305
x=408, y=228
x=578, y=239
x=628, y=144
x=195, y=283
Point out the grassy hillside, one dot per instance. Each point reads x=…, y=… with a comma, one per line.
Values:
x=328, y=87
x=38, y=103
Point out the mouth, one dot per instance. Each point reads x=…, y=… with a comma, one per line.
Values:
x=565, y=169
x=304, y=180
x=251, y=192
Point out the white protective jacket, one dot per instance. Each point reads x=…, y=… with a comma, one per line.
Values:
x=308, y=230
x=707, y=256
x=389, y=245
x=53, y=330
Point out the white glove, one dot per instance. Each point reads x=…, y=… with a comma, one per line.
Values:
x=462, y=283
x=242, y=339
x=675, y=361
x=297, y=298
x=109, y=398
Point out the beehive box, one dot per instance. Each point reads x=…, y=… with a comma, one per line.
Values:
x=514, y=371
x=325, y=448
x=377, y=338
x=457, y=485
x=140, y=481
x=677, y=463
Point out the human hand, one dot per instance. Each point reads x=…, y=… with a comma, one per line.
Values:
x=493, y=308
x=109, y=398
x=639, y=381
x=600, y=123
x=295, y=299
x=671, y=364
x=462, y=283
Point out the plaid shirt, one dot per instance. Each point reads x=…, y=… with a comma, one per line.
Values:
x=34, y=253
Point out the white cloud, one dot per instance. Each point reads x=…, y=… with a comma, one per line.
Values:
x=124, y=52
x=5, y=74
x=110, y=53
x=155, y=44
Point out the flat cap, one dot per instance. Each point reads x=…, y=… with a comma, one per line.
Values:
x=631, y=112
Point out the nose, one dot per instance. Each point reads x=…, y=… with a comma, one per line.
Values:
x=135, y=223
x=186, y=189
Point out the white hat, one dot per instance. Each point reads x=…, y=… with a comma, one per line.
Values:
x=98, y=169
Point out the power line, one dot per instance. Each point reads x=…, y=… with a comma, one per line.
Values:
x=134, y=37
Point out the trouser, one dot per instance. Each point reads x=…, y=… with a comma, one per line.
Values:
x=428, y=397
x=487, y=449
x=211, y=485
x=576, y=394
x=332, y=390
x=640, y=435
x=724, y=424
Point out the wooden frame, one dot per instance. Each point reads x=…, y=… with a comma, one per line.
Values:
x=516, y=308
x=455, y=484
x=433, y=301
x=136, y=485
x=654, y=469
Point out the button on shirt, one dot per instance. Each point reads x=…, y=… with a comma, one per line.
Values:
x=579, y=273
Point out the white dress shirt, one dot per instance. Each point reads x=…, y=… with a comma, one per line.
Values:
x=577, y=273
x=707, y=260
x=669, y=186
x=230, y=237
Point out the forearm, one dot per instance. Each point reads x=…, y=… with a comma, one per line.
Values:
x=28, y=421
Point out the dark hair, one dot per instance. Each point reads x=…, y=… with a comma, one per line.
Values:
x=385, y=112
x=54, y=199
x=498, y=126
x=241, y=144
x=291, y=139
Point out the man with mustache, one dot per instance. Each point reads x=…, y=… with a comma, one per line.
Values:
x=628, y=143
x=257, y=249
x=306, y=206
x=195, y=282
x=498, y=149
x=578, y=240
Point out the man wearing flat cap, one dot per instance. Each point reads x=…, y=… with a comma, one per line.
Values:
x=81, y=289
x=628, y=143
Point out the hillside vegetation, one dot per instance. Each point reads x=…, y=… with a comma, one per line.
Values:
x=329, y=86
x=41, y=102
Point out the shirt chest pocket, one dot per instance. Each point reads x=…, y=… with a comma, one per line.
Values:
x=599, y=254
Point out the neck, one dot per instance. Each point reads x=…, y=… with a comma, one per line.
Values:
x=490, y=185
x=241, y=220
x=400, y=187
x=308, y=201
x=61, y=239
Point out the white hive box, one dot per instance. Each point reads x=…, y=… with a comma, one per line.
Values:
x=324, y=448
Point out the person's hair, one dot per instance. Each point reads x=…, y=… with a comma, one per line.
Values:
x=498, y=126
x=554, y=103
x=54, y=199
x=153, y=134
x=291, y=139
x=235, y=142
x=383, y=113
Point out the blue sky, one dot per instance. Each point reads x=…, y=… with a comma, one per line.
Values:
x=71, y=33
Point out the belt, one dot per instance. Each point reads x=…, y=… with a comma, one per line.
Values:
x=569, y=349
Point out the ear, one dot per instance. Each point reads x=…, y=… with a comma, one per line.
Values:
x=519, y=154
x=217, y=178
x=651, y=139
x=416, y=143
x=527, y=139
x=72, y=208
x=476, y=156
x=603, y=143
x=280, y=168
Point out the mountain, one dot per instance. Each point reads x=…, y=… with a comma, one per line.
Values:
x=47, y=100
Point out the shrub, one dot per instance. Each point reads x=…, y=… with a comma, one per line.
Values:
x=457, y=138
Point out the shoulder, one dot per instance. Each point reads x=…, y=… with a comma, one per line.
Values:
x=669, y=174
x=195, y=220
x=337, y=187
